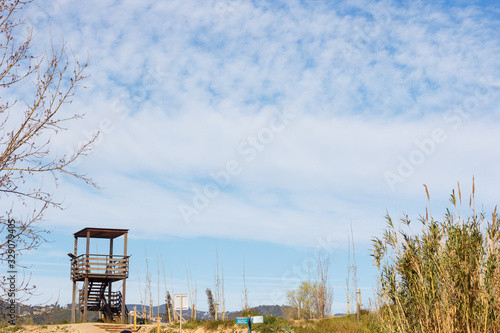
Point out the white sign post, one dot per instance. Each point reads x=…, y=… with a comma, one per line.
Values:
x=181, y=303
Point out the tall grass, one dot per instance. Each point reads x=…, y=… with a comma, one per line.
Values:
x=445, y=278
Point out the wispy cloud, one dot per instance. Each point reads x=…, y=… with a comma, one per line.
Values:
x=383, y=97
x=179, y=87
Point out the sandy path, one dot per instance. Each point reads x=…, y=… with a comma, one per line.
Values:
x=91, y=328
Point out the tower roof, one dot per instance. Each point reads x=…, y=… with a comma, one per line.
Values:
x=101, y=233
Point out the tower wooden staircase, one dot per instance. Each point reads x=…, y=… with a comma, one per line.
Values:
x=98, y=272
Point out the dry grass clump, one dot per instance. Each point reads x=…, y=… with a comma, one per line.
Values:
x=445, y=278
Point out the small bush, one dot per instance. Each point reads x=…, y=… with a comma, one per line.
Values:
x=192, y=324
x=214, y=325
x=273, y=324
x=346, y=324
x=268, y=320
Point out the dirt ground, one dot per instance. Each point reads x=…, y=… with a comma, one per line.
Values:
x=92, y=328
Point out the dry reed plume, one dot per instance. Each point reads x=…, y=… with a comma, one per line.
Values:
x=444, y=278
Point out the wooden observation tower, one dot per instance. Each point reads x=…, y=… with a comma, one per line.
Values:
x=98, y=272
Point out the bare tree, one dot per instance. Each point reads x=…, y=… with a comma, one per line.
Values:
x=147, y=290
x=158, y=286
x=309, y=305
x=195, y=299
x=223, y=296
x=193, y=293
x=244, y=292
x=189, y=289
x=143, y=313
x=30, y=121
x=218, y=293
x=322, y=293
x=174, y=313
x=354, y=269
x=349, y=267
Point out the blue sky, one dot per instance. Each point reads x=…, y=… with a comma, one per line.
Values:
x=264, y=128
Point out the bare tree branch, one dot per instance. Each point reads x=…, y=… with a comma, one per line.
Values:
x=28, y=130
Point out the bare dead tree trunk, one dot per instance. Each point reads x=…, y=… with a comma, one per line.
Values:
x=192, y=291
x=189, y=289
x=218, y=292
x=195, y=298
x=354, y=271
x=244, y=296
x=223, y=297
x=168, y=297
x=147, y=291
x=174, y=313
x=348, y=271
x=142, y=299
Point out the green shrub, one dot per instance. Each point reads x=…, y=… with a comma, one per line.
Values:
x=444, y=278
x=268, y=320
x=192, y=324
x=273, y=324
x=213, y=325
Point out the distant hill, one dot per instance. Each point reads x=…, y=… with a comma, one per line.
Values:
x=55, y=314
x=186, y=314
x=264, y=310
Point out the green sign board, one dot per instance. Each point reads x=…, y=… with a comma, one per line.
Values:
x=241, y=320
x=253, y=320
x=249, y=321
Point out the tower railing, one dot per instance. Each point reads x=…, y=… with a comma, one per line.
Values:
x=99, y=265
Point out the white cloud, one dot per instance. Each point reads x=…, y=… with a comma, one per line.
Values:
x=178, y=86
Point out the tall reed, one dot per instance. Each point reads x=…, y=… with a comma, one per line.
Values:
x=445, y=278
